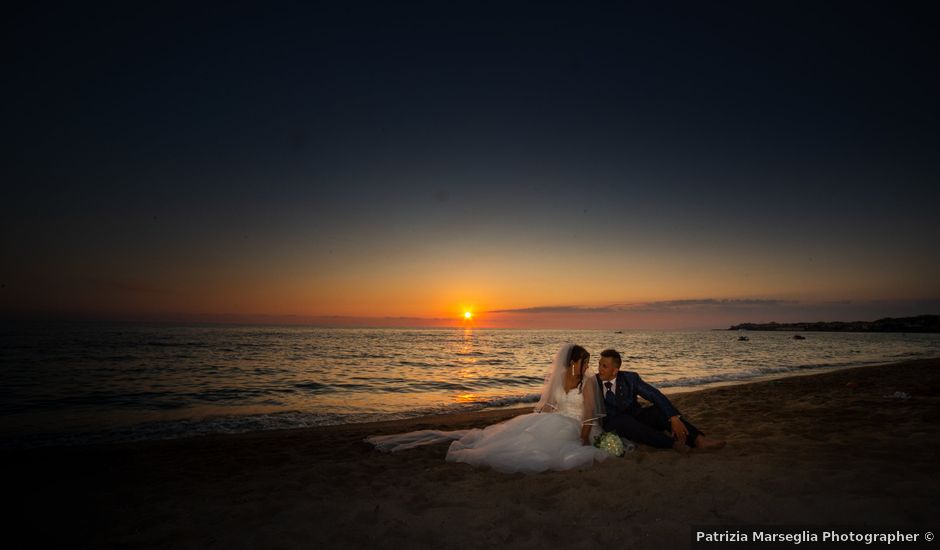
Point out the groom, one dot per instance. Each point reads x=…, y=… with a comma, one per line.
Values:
x=644, y=424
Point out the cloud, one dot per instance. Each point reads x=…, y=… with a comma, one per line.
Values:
x=665, y=305
x=711, y=304
x=559, y=309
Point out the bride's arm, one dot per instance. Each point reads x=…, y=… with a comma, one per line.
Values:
x=591, y=414
x=586, y=434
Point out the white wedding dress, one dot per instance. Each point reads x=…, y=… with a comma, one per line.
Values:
x=531, y=443
x=548, y=439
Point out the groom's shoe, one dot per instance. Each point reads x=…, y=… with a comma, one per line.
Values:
x=704, y=444
x=681, y=447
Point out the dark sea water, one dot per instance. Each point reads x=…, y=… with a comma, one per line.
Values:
x=91, y=382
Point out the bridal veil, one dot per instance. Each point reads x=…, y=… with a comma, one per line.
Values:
x=553, y=389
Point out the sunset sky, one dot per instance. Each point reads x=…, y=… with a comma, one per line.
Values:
x=547, y=165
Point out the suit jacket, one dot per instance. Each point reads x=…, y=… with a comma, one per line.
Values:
x=630, y=385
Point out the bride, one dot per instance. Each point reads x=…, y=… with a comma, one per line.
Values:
x=557, y=436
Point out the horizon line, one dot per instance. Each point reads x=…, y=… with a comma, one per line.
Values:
x=322, y=321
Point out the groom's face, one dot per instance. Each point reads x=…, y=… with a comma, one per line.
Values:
x=607, y=368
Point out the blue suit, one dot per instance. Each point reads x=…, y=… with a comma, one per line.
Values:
x=641, y=424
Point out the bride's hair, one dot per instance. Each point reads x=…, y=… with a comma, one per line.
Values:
x=578, y=354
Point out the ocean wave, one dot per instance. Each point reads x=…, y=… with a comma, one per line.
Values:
x=515, y=381
x=430, y=385
x=234, y=424
x=314, y=386
x=513, y=400
x=908, y=354
x=120, y=358
x=416, y=364
x=362, y=355
x=172, y=344
x=748, y=374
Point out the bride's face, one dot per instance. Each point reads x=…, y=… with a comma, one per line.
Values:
x=578, y=367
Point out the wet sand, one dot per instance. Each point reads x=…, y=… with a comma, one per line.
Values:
x=826, y=449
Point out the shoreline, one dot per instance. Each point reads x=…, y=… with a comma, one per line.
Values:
x=800, y=371
x=106, y=437
x=486, y=416
x=829, y=449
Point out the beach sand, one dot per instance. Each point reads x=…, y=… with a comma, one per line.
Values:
x=827, y=449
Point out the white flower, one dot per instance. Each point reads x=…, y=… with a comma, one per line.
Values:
x=610, y=442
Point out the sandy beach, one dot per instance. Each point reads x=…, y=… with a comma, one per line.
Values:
x=827, y=449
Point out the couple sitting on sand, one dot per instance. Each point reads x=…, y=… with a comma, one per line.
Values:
x=582, y=404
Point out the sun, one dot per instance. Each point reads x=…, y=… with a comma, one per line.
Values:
x=467, y=315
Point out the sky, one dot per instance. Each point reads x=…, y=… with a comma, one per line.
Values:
x=559, y=165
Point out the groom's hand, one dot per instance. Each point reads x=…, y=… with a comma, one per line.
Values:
x=679, y=431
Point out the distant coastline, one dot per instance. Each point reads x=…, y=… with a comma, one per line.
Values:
x=920, y=323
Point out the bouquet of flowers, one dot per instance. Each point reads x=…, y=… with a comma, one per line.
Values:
x=610, y=442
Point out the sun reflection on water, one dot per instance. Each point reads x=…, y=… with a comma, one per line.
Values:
x=466, y=398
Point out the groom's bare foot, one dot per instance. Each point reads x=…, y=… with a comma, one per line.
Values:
x=681, y=447
x=704, y=444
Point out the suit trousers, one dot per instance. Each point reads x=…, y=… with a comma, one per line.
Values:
x=646, y=425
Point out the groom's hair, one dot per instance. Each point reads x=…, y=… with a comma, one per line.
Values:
x=612, y=353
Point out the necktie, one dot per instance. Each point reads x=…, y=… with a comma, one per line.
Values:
x=609, y=395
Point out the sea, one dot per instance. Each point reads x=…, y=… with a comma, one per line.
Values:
x=86, y=383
